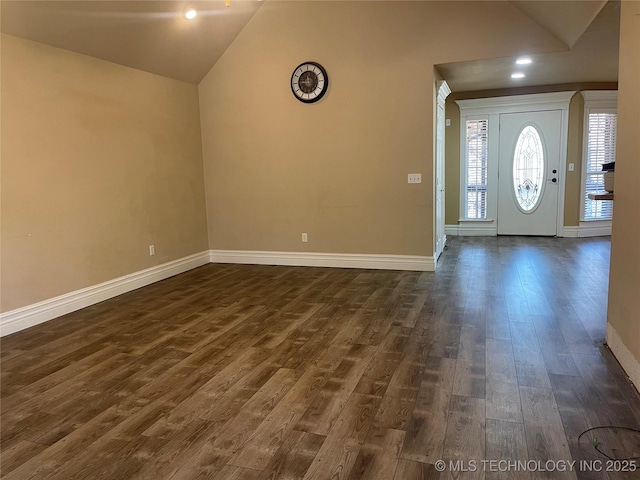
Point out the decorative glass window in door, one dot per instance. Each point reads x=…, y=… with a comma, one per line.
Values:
x=528, y=169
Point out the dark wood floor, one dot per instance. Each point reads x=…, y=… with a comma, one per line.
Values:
x=257, y=372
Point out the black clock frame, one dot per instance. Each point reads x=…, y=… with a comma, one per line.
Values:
x=324, y=90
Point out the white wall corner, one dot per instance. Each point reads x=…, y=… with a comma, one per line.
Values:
x=31, y=315
x=335, y=260
x=629, y=363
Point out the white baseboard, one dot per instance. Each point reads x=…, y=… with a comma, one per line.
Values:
x=472, y=229
x=451, y=230
x=25, y=317
x=571, y=232
x=336, y=260
x=629, y=363
x=481, y=229
x=588, y=229
x=31, y=315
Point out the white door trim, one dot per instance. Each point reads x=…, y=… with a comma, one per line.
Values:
x=516, y=103
x=492, y=108
x=440, y=237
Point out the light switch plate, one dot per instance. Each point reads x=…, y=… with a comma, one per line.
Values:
x=414, y=178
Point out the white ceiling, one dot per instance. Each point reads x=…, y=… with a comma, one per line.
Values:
x=154, y=36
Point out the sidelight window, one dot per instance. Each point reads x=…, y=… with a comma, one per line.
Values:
x=477, y=159
x=600, y=149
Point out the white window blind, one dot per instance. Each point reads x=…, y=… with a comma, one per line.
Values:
x=477, y=152
x=601, y=148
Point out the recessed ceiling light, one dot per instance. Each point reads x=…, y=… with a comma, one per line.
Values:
x=517, y=75
x=191, y=14
x=524, y=61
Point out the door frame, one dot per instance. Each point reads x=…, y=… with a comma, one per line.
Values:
x=491, y=109
x=440, y=236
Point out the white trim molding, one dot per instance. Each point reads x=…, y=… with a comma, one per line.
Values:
x=31, y=315
x=443, y=90
x=629, y=363
x=599, y=228
x=472, y=228
x=516, y=103
x=439, y=235
x=336, y=260
x=600, y=98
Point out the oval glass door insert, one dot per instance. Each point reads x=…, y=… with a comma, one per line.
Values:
x=528, y=169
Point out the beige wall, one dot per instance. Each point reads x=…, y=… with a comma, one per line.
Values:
x=573, y=180
x=574, y=145
x=624, y=278
x=337, y=169
x=98, y=162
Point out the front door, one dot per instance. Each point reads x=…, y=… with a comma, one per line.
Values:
x=528, y=170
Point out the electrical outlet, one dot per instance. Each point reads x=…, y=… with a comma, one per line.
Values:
x=572, y=167
x=414, y=178
x=152, y=250
x=304, y=238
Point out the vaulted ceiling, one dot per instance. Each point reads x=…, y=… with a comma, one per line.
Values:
x=150, y=35
x=154, y=36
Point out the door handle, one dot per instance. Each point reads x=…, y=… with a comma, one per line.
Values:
x=554, y=180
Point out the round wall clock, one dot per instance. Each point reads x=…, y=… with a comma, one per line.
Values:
x=309, y=82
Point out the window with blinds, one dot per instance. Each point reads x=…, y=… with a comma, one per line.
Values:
x=600, y=149
x=477, y=153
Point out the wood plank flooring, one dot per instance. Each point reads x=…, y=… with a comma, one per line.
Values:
x=259, y=372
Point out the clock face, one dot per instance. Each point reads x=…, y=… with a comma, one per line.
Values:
x=309, y=82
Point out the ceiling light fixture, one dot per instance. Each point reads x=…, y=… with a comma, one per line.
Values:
x=517, y=75
x=191, y=14
x=524, y=61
